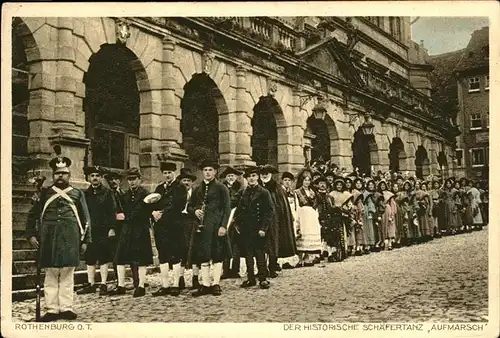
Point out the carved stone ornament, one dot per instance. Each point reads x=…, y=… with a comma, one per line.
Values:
x=398, y=131
x=208, y=60
x=122, y=31
x=272, y=86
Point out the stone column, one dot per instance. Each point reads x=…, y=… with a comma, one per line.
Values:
x=241, y=121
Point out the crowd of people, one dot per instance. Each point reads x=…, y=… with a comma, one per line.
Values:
x=271, y=220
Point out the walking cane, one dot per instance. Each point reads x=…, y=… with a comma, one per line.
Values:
x=38, y=182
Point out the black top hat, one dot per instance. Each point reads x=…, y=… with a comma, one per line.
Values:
x=266, y=169
x=329, y=173
x=287, y=174
x=320, y=179
x=230, y=170
x=169, y=166
x=132, y=172
x=60, y=164
x=186, y=173
x=208, y=163
x=95, y=169
x=251, y=170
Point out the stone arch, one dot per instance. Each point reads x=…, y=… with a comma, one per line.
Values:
x=421, y=162
x=364, y=152
x=204, y=134
x=397, y=155
x=327, y=137
x=268, y=134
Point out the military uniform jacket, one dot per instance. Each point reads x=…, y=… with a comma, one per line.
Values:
x=59, y=231
x=255, y=212
x=102, y=208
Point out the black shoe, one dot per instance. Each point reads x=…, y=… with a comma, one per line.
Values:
x=50, y=317
x=103, y=290
x=216, y=290
x=248, y=283
x=195, y=283
x=331, y=259
x=277, y=268
x=182, y=283
x=139, y=292
x=175, y=291
x=68, y=315
x=308, y=264
x=161, y=292
x=202, y=291
x=264, y=284
x=273, y=274
x=287, y=266
x=119, y=291
x=316, y=260
x=87, y=290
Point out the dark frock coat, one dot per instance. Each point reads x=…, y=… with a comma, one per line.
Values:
x=58, y=231
x=168, y=230
x=234, y=195
x=255, y=212
x=189, y=225
x=102, y=207
x=281, y=234
x=134, y=244
x=208, y=245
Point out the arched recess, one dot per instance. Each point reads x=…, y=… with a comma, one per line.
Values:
x=201, y=105
x=421, y=162
x=443, y=163
x=321, y=143
x=364, y=152
x=264, y=140
x=112, y=108
x=20, y=101
x=397, y=155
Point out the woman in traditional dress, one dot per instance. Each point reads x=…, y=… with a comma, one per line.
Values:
x=424, y=212
x=370, y=214
x=412, y=232
x=388, y=221
x=476, y=217
x=348, y=185
x=339, y=220
x=449, y=208
x=357, y=214
x=399, y=215
x=436, y=209
x=460, y=205
x=308, y=227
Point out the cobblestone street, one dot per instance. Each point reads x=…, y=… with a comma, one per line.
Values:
x=440, y=281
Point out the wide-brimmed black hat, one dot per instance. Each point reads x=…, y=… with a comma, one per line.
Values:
x=251, y=170
x=186, y=173
x=320, y=179
x=132, y=172
x=266, y=169
x=287, y=174
x=230, y=170
x=208, y=163
x=168, y=166
x=95, y=169
x=60, y=164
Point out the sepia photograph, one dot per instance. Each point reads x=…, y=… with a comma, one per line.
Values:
x=322, y=170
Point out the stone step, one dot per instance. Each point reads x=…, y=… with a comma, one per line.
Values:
x=19, y=220
x=29, y=267
x=20, y=243
x=24, y=255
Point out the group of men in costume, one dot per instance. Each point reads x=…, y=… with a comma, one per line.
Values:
x=211, y=227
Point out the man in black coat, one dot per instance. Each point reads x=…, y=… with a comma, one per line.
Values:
x=169, y=234
x=230, y=176
x=210, y=203
x=101, y=205
x=253, y=217
x=134, y=244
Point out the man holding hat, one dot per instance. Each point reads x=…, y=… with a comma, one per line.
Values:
x=168, y=230
x=287, y=179
x=211, y=204
x=134, y=244
x=101, y=205
x=253, y=218
x=230, y=176
x=281, y=236
x=64, y=231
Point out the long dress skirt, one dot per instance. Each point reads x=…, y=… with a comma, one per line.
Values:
x=310, y=229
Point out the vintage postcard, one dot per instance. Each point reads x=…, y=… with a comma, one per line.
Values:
x=222, y=169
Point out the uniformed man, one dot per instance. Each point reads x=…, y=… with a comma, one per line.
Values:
x=134, y=244
x=230, y=180
x=189, y=224
x=287, y=180
x=102, y=207
x=253, y=218
x=168, y=230
x=64, y=231
x=211, y=204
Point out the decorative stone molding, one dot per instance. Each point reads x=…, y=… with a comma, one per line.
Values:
x=207, y=62
x=122, y=31
x=398, y=131
x=272, y=86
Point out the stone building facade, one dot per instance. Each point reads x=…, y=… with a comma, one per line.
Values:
x=130, y=91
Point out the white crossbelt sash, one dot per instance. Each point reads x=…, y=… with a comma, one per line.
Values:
x=64, y=194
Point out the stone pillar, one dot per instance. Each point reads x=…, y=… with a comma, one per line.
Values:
x=240, y=120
